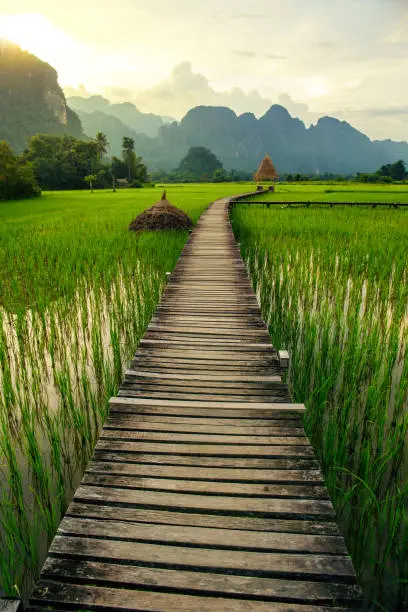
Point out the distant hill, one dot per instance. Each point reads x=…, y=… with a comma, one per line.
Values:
x=240, y=142
x=31, y=101
x=141, y=123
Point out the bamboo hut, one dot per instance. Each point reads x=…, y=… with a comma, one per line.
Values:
x=266, y=171
x=161, y=216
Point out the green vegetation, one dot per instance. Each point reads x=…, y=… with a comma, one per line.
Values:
x=65, y=162
x=77, y=290
x=335, y=192
x=386, y=174
x=199, y=164
x=333, y=289
x=17, y=178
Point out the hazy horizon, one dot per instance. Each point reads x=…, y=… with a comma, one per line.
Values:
x=346, y=59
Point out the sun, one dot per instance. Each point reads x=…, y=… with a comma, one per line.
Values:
x=30, y=31
x=33, y=32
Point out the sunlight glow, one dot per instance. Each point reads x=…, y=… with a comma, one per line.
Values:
x=35, y=33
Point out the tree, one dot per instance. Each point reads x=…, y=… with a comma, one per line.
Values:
x=199, y=163
x=398, y=170
x=17, y=178
x=128, y=154
x=220, y=176
x=119, y=168
x=91, y=179
x=101, y=145
x=62, y=162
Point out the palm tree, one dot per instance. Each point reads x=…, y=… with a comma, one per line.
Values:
x=128, y=153
x=101, y=145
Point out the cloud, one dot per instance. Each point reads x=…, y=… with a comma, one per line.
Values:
x=275, y=57
x=185, y=89
x=118, y=93
x=77, y=91
x=325, y=44
x=389, y=111
x=244, y=53
x=253, y=55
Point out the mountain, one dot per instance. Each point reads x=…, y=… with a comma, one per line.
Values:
x=240, y=142
x=127, y=113
x=113, y=128
x=31, y=101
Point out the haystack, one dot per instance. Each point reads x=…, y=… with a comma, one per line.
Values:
x=266, y=171
x=161, y=216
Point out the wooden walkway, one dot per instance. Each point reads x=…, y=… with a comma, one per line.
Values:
x=203, y=493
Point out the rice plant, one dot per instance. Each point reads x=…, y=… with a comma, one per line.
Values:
x=77, y=291
x=332, y=284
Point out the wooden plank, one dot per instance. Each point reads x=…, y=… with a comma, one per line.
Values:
x=121, y=451
x=205, y=487
x=132, y=391
x=225, y=584
x=129, y=422
x=241, y=406
x=231, y=378
x=184, y=437
x=227, y=413
x=167, y=516
x=202, y=536
x=288, y=476
x=290, y=508
x=179, y=448
x=48, y=592
x=306, y=566
x=252, y=425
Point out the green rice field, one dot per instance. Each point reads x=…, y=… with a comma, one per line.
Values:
x=77, y=291
x=337, y=192
x=333, y=288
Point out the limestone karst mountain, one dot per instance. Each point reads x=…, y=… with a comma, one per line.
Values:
x=31, y=100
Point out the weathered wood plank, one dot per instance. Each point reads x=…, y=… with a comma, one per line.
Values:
x=223, y=584
x=58, y=593
x=306, y=566
x=242, y=406
x=122, y=451
x=290, y=508
x=205, y=487
x=203, y=536
x=183, y=437
x=168, y=516
x=212, y=474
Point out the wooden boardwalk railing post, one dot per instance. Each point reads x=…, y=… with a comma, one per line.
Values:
x=204, y=493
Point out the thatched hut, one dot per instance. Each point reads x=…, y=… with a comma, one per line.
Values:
x=266, y=171
x=161, y=216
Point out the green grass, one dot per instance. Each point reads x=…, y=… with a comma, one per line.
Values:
x=333, y=288
x=337, y=192
x=77, y=290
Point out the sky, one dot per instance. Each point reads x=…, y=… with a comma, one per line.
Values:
x=343, y=58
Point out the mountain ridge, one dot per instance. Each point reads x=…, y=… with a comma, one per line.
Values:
x=31, y=100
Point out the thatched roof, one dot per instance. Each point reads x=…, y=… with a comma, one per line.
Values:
x=161, y=216
x=266, y=170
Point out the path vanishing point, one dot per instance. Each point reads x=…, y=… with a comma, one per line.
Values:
x=203, y=493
